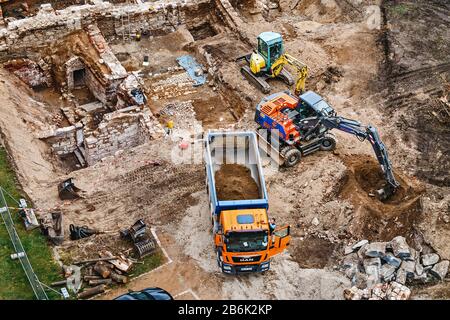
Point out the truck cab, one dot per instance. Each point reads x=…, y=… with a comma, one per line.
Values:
x=246, y=243
x=243, y=239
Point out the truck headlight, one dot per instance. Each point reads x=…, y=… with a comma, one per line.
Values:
x=225, y=267
x=264, y=266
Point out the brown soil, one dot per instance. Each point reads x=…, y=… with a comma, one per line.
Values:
x=235, y=182
x=314, y=252
x=380, y=220
x=212, y=112
x=119, y=190
x=83, y=96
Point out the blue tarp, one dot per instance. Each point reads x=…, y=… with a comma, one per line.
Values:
x=190, y=65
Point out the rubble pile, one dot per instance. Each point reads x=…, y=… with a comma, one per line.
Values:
x=183, y=114
x=381, y=270
x=29, y=72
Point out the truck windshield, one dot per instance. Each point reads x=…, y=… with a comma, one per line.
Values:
x=246, y=241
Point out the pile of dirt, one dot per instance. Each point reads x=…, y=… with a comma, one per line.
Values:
x=235, y=182
x=377, y=220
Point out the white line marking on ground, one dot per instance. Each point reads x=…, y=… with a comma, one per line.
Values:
x=188, y=291
x=159, y=244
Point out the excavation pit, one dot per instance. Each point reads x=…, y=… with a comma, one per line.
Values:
x=377, y=220
x=366, y=177
x=203, y=31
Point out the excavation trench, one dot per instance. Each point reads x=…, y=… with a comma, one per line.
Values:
x=377, y=220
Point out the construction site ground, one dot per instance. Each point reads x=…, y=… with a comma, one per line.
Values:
x=392, y=76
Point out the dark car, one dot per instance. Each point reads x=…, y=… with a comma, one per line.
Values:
x=146, y=294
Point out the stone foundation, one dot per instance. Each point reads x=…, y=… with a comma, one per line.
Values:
x=119, y=130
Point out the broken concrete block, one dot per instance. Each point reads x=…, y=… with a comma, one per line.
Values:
x=423, y=278
x=440, y=269
x=375, y=249
x=350, y=272
x=430, y=259
x=348, y=250
x=372, y=262
x=350, y=261
x=397, y=291
x=409, y=267
x=392, y=260
x=419, y=268
x=387, y=272
x=361, y=252
x=360, y=280
x=379, y=291
x=414, y=255
x=401, y=276
x=350, y=265
x=359, y=244
x=353, y=293
x=373, y=275
x=366, y=293
x=427, y=268
x=400, y=247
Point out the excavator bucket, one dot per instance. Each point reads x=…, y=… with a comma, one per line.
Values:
x=68, y=191
x=386, y=192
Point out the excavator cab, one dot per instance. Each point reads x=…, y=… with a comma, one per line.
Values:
x=270, y=49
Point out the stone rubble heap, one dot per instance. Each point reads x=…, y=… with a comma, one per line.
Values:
x=381, y=270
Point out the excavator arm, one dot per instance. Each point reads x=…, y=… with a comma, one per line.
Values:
x=300, y=68
x=371, y=134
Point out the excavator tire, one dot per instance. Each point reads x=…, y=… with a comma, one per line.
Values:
x=328, y=142
x=291, y=156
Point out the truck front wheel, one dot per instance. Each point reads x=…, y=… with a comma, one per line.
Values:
x=291, y=156
x=328, y=143
x=219, y=258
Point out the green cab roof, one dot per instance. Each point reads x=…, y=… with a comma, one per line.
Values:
x=270, y=37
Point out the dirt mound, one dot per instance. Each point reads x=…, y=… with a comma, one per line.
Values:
x=235, y=182
x=374, y=219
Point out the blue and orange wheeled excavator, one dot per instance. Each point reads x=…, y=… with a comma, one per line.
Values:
x=303, y=125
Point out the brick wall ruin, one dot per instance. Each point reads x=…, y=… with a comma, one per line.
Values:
x=119, y=130
x=64, y=141
x=71, y=46
x=26, y=36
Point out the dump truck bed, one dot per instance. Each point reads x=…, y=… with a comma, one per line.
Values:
x=234, y=171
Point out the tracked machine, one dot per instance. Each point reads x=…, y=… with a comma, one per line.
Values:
x=269, y=62
x=298, y=126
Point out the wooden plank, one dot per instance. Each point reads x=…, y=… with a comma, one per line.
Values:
x=96, y=260
x=120, y=263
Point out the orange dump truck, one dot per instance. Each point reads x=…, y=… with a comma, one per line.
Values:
x=243, y=238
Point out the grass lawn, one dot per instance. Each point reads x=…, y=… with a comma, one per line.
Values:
x=13, y=281
x=151, y=262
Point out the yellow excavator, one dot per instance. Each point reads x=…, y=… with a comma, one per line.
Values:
x=269, y=62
